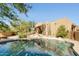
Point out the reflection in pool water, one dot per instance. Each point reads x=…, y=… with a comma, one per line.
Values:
x=34, y=48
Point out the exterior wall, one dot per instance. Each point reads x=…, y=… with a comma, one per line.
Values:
x=77, y=35
x=53, y=26
x=47, y=29
x=50, y=28
x=1, y=35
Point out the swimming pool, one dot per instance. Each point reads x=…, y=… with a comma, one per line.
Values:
x=35, y=47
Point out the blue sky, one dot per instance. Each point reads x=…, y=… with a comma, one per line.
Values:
x=51, y=12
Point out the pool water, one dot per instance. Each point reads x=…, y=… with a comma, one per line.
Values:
x=27, y=48
x=23, y=48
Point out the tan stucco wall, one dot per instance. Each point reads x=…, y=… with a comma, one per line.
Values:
x=77, y=35
x=60, y=22
x=51, y=27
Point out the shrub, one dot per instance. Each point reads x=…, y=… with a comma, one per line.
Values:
x=62, y=32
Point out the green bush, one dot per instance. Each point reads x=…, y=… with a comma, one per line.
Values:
x=23, y=28
x=62, y=32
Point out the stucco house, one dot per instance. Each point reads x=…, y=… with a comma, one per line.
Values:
x=50, y=28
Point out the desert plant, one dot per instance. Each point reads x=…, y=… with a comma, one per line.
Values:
x=62, y=32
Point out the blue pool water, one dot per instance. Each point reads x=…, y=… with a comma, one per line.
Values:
x=31, y=48
x=18, y=48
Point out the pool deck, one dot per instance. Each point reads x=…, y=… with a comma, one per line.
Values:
x=76, y=45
